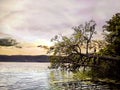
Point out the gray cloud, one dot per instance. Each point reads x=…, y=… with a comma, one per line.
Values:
x=42, y=19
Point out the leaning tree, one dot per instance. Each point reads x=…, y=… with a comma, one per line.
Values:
x=70, y=48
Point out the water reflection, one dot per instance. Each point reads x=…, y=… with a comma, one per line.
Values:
x=36, y=76
x=64, y=80
x=58, y=75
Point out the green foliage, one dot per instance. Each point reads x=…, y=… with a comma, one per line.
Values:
x=82, y=36
x=70, y=47
x=7, y=42
x=55, y=61
x=107, y=68
x=80, y=75
x=112, y=35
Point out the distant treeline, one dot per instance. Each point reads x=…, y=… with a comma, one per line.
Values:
x=24, y=58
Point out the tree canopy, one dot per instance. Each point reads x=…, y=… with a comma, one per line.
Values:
x=101, y=63
x=81, y=38
x=112, y=35
x=71, y=47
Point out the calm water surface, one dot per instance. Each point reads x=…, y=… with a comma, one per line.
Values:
x=37, y=76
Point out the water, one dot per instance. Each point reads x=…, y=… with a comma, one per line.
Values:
x=37, y=76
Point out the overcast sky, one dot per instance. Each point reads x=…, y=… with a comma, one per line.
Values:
x=40, y=20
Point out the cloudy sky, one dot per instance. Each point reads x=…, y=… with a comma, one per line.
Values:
x=38, y=21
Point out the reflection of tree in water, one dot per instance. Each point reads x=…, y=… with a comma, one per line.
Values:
x=64, y=80
x=59, y=75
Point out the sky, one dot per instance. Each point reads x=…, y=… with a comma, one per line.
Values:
x=37, y=21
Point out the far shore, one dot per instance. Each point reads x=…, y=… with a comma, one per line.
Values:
x=24, y=58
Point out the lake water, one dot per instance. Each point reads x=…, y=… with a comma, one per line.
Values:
x=37, y=76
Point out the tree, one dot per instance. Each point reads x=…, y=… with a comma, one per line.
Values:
x=110, y=68
x=71, y=47
x=7, y=42
x=87, y=32
x=112, y=35
x=81, y=37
